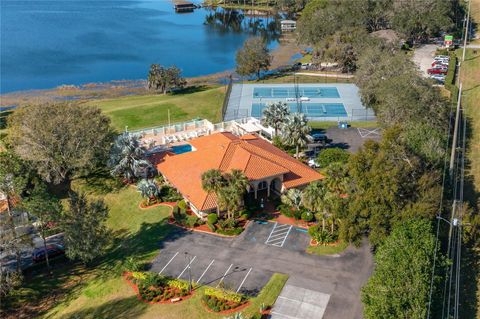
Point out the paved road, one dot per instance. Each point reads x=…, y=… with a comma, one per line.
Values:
x=247, y=262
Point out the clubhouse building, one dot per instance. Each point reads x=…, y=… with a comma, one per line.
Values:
x=269, y=170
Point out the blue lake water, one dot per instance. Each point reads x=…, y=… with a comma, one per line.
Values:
x=48, y=43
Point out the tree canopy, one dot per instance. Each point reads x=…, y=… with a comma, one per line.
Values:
x=253, y=58
x=400, y=284
x=164, y=79
x=60, y=140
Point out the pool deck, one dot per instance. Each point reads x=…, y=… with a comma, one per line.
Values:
x=241, y=100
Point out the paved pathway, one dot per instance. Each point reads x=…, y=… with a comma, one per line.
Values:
x=299, y=303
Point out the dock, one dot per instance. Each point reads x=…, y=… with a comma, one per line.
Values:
x=183, y=6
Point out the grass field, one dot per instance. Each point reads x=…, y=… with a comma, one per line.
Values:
x=327, y=250
x=142, y=111
x=289, y=78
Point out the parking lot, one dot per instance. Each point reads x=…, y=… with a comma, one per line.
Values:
x=246, y=263
x=351, y=138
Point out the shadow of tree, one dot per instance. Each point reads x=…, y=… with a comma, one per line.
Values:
x=119, y=308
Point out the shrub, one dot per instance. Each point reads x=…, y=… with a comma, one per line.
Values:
x=231, y=231
x=297, y=214
x=307, y=216
x=176, y=283
x=131, y=264
x=285, y=210
x=212, y=218
x=224, y=295
x=192, y=221
x=211, y=227
x=322, y=236
x=332, y=155
x=182, y=205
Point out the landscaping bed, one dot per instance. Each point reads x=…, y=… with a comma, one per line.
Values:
x=223, y=301
x=153, y=288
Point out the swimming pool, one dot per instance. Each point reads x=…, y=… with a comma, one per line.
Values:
x=180, y=149
x=291, y=92
x=309, y=109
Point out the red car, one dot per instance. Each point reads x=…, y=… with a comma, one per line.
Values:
x=437, y=71
x=53, y=250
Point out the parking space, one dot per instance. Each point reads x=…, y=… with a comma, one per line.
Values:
x=211, y=272
x=350, y=138
x=246, y=263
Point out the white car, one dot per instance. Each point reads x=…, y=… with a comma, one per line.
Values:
x=438, y=77
x=312, y=163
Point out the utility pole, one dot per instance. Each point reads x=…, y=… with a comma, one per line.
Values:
x=466, y=31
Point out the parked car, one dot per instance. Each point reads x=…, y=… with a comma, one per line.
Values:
x=313, y=163
x=437, y=71
x=438, y=62
x=53, y=250
x=319, y=138
x=438, y=77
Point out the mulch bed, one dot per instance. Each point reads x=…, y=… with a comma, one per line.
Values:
x=168, y=204
x=282, y=219
x=204, y=228
x=139, y=296
x=229, y=311
x=314, y=243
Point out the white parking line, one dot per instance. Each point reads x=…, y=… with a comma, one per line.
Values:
x=241, y=284
x=273, y=229
x=221, y=280
x=205, y=271
x=188, y=265
x=168, y=263
x=278, y=234
x=283, y=242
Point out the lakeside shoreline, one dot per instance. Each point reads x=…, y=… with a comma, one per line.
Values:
x=281, y=57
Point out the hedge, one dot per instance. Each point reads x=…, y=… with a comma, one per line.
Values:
x=224, y=294
x=450, y=78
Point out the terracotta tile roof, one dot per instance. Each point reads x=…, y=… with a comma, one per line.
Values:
x=257, y=158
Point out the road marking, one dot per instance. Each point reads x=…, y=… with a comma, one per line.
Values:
x=188, y=265
x=273, y=229
x=364, y=132
x=205, y=271
x=221, y=280
x=168, y=263
x=241, y=284
x=278, y=234
x=283, y=242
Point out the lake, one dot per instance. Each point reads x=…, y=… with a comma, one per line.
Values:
x=45, y=44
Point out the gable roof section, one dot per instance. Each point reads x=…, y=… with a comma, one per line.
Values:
x=257, y=158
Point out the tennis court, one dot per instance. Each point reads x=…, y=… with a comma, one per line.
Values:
x=292, y=92
x=309, y=109
x=319, y=102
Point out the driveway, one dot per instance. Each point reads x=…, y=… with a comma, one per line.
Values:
x=351, y=138
x=246, y=263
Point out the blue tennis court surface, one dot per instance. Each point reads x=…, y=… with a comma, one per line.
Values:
x=309, y=109
x=292, y=92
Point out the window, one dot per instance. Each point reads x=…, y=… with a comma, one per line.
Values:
x=262, y=185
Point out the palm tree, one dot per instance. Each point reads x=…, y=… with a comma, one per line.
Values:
x=212, y=182
x=149, y=189
x=337, y=180
x=314, y=198
x=275, y=114
x=232, y=193
x=127, y=157
x=295, y=131
x=292, y=198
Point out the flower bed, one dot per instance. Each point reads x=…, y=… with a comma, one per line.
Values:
x=153, y=288
x=223, y=301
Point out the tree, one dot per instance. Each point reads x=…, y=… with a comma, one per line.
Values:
x=253, y=57
x=127, y=157
x=232, y=192
x=13, y=182
x=292, y=198
x=315, y=198
x=295, y=131
x=46, y=209
x=86, y=234
x=332, y=155
x=275, y=114
x=212, y=182
x=164, y=79
x=400, y=284
x=60, y=140
x=149, y=189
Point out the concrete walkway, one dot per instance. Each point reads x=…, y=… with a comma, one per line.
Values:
x=299, y=303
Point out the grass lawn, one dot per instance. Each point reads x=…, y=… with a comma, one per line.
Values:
x=289, y=78
x=141, y=111
x=327, y=250
x=100, y=291
x=328, y=124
